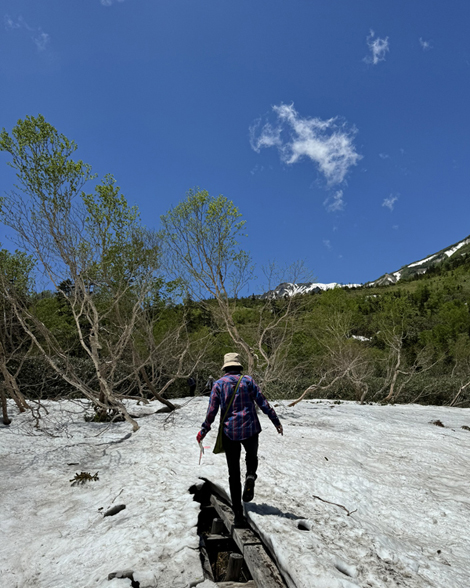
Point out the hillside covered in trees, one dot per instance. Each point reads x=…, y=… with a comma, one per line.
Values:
x=134, y=313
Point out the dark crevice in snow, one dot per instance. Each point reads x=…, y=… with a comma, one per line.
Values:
x=215, y=541
x=304, y=525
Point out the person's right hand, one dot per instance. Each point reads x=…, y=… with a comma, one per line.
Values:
x=280, y=430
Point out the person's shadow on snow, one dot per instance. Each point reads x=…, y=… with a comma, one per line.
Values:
x=268, y=510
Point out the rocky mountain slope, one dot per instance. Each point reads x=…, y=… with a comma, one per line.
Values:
x=287, y=289
x=422, y=266
x=457, y=250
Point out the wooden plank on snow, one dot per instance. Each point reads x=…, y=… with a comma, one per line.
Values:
x=262, y=568
x=241, y=537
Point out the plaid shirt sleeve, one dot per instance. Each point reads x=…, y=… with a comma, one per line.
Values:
x=264, y=405
x=214, y=403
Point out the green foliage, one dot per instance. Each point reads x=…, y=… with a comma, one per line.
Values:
x=116, y=248
x=449, y=320
x=15, y=272
x=54, y=312
x=112, y=300
x=47, y=175
x=16, y=283
x=41, y=157
x=201, y=235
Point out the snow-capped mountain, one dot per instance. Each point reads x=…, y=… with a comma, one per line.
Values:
x=287, y=289
x=407, y=271
x=421, y=266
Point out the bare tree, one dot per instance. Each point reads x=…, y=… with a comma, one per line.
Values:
x=394, y=327
x=461, y=370
x=92, y=248
x=162, y=359
x=201, y=235
x=15, y=282
x=343, y=359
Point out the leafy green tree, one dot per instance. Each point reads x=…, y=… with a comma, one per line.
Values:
x=202, y=237
x=201, y=248
x=93, y=249
x=450, y=319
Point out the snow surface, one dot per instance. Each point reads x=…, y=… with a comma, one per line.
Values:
x=448, y=252
x=416, y=263
x=303, y=289
x=403, y=483
x=290, y=289
x=451, y=252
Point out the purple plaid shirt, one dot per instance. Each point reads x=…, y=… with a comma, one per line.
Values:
x=241, y=421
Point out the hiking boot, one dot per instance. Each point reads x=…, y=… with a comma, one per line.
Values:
x=240, y=521
x=249, y=490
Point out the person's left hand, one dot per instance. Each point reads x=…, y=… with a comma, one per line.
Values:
x=199, y=437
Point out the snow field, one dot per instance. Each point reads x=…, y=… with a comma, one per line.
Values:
x=405, y=479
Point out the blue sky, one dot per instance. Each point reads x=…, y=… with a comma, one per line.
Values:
x=340, y=128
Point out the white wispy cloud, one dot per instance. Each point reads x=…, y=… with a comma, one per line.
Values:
x=378, y=47
x=39, y=37
x=327, y=143
x=426, y=45
x=109, y=2
x=327, y=243
x=256, y=169
x=384, y=156
x=10, y=24
x=335, y=202
x=42, y=41
x=390, y=202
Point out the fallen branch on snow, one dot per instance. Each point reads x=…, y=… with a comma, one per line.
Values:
x=340, y=505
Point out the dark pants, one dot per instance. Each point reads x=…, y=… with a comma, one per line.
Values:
x=232, y=453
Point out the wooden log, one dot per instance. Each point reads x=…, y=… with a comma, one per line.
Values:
x=216, y=543
x=241, y=536
x=234, y=567
x=262, y=569
x=245, y=537
x=217, y=526
x=224, y=512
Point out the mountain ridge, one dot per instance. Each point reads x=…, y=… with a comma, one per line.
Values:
x=409, y=271
x=416, y=268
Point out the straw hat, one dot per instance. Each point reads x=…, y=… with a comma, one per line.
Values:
x=231, y=360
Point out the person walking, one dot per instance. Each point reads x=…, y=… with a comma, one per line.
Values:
x=209, y=384
x=241, y=426
x=192, y=385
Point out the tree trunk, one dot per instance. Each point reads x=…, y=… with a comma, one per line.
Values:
x=6, y=420
x=11, y=384
x=390, y=395
x=151, y=387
